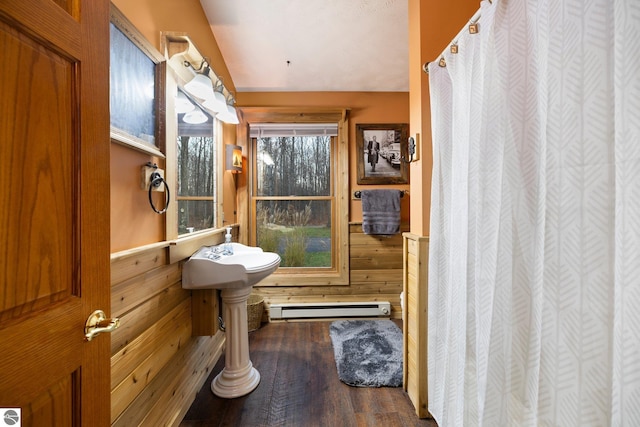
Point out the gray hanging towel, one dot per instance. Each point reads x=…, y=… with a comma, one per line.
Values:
x=381, y=211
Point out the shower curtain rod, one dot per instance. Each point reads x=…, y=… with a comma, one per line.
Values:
x=472, y=27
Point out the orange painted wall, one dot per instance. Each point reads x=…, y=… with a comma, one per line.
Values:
x=133, y=222
x=153, y=16
x=365, y=107
x=432, y=26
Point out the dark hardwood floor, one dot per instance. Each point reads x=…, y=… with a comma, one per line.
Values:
x=300, y=387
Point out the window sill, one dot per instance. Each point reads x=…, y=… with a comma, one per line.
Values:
x=290, y=278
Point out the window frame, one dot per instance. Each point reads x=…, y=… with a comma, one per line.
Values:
x=323, y=276
x=156, y=115
x=331, y=197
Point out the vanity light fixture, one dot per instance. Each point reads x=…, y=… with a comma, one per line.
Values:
x=200, y=85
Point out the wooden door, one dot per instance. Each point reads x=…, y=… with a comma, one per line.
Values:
x=54, y=209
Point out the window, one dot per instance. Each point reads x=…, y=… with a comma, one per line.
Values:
x=299, y=195
x=294, y=199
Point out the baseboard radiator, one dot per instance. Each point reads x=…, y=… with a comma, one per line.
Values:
x=323, y=310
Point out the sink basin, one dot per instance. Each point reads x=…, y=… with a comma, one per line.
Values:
x=234, y=275
x=210, y=268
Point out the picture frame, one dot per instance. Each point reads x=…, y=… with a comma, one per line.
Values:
x=137, y=81
x=380, y=149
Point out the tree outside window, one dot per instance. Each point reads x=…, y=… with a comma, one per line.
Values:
x=196, y=183
x=294, y=199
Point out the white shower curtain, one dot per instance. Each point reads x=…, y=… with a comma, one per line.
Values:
x=534, y=267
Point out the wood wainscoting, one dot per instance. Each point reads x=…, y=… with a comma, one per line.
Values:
x=159, y=361
x=416, y=256
x=375, y=274
x=158, y=364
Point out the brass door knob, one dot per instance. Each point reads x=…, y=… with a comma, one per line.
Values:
x=98, y=323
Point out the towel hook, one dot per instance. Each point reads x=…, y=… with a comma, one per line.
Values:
x=412, y=150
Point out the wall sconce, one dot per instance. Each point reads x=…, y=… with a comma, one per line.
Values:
x=233, y=158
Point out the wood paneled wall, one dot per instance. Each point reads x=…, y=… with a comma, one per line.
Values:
x=158, y=361
x=375, y=266
x=416, y=255
x=157, y=366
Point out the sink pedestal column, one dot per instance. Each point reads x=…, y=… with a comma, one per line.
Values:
x=238, y=377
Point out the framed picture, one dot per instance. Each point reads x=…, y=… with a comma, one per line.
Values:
x=136, y=97
x=380, y=150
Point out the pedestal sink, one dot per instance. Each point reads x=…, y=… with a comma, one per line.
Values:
x=234, y=274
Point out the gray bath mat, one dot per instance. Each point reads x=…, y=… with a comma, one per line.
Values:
x=368, y=352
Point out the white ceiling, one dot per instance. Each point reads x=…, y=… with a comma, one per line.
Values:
x=313, y=45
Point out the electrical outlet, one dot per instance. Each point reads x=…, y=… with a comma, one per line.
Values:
x=147, y=171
